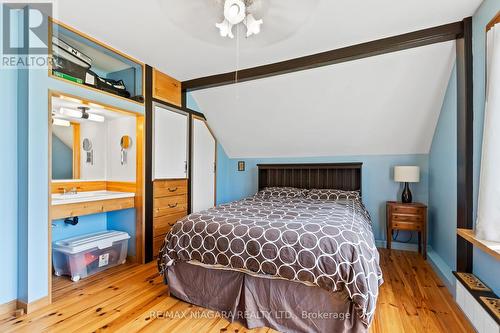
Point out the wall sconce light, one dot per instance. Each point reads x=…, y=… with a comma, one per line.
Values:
x=241, y=165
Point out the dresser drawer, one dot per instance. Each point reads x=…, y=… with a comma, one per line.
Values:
x=169, y=205
x=407, y=218
x=163, y=224
x=406, y=225
x=157, y=243
x=170, y=187
x=407, y=210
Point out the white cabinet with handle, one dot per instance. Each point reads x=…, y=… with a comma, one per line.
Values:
x=170, y=142
x=203, y=167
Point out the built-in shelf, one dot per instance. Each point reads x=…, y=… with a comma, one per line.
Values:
x=97, y=60
x=491, y=248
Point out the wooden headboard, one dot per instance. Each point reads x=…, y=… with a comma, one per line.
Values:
x=340, y=176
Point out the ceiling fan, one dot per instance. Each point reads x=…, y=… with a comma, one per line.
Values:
x=199, y=18
x=236, y=12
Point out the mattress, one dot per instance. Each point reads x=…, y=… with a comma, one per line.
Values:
x=328, y=244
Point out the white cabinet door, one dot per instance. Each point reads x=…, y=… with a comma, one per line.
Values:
x=203, y=167
x=170, y=143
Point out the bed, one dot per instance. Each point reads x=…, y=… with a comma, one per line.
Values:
x=299, y=256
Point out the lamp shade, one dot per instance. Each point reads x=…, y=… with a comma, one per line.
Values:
x=406, y=173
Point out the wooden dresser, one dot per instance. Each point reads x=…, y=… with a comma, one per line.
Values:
x=411, y=217
x=169, y=205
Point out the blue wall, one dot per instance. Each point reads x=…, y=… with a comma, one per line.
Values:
x=122, y=220
x=86, y=225
x=24, y=181
x=62, y=159
x=485, y=267
x=378, y=184
x=8, y=184
x=443, y=183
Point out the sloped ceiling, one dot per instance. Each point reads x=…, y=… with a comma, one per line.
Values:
x=151, y=30
x=388, y=104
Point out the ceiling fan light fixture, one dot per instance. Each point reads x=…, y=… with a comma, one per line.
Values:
x=253, y=25
x=225, y=29
x=234, y=11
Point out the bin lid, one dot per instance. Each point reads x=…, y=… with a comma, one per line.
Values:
x=101, y=240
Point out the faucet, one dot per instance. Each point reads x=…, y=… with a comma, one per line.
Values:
x=74, y=190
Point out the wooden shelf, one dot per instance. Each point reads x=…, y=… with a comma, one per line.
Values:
x=106, y=62
x=491, y=248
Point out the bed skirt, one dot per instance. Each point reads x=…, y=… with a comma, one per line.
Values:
x=283, y=305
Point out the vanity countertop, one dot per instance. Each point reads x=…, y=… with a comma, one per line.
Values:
x=88, y=196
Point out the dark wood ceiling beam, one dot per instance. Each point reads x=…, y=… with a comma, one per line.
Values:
x=418, y=38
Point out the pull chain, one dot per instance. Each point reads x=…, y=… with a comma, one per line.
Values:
x=237, y=62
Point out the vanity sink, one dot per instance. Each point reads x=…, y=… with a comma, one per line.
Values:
x=70, y=198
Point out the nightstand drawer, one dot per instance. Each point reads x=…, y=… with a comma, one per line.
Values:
x=407, y=218
x=406, y=225
x=407, y=210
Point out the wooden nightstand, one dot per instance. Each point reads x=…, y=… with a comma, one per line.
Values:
x=401, y=216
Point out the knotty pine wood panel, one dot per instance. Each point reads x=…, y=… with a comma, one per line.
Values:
x=121, y=186
x=76, y=150
x=157, y=243
x=169, y=205
x=92, y=207
x=170, y=187
x=166, y=88
x=121, y=299
x=139, y=201
x=163, y=224
x=81, y=186
x=485, y=246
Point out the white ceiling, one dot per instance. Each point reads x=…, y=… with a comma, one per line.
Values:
x=179, y=38
x=388, y=104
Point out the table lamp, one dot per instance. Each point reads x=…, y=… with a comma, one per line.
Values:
x=406, y=174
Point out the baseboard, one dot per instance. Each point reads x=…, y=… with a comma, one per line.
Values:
x=33, y=306
x=8, y=308
x=398, y=245
x=442, y=269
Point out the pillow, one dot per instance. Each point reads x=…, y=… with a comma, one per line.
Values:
x=283, y=192
x=330, y=194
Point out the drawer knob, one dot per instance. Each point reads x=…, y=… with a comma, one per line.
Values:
x=173, y=206
x=172, y=189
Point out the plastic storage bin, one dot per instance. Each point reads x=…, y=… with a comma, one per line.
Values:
x=85, y=255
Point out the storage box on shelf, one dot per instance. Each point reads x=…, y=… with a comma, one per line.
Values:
x=82, y=60
x=86, y=255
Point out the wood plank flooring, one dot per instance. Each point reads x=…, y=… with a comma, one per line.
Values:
x=125, y=298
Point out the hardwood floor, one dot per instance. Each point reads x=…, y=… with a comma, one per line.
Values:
x=126, y=298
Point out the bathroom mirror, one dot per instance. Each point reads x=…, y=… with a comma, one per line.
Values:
x=65, y=164
x=91, y=142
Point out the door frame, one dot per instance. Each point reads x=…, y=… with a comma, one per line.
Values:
x=139, y=199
